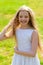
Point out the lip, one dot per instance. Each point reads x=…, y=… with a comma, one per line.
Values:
x=23, y=21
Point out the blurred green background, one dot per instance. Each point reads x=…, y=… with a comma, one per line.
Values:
x=7, y=10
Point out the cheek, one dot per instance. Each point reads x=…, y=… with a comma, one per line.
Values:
x=20, y=19
x=27, y=19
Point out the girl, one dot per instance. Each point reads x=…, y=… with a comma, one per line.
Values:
x=26, y=35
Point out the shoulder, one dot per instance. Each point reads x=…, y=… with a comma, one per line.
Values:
x=34, y=37
x=34, y=33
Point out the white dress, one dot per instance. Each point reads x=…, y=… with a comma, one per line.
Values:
x=24, y=44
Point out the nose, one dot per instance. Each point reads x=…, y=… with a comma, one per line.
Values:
x=23, y=18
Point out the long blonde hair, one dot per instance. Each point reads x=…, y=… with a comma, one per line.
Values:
x=31, y=21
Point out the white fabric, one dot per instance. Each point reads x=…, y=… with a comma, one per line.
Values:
x=24, y=44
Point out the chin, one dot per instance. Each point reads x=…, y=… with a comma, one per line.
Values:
x=24, y=24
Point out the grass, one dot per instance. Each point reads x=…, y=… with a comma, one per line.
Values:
x=7, y=9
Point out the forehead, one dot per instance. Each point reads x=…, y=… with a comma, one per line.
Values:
x=23, y=12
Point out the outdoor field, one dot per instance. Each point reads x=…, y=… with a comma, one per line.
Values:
x=7, y=10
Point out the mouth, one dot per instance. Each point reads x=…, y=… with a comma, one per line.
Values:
x=23, y=21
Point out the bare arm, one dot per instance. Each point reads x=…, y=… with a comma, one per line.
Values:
x=33, y=51
x=4, y=35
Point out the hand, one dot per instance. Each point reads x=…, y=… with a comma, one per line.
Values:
x=5, y=29
x=16, y=50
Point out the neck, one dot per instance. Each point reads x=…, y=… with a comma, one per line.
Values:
x=25, y=26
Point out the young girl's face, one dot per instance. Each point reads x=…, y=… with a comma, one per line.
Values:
x=23, y=17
